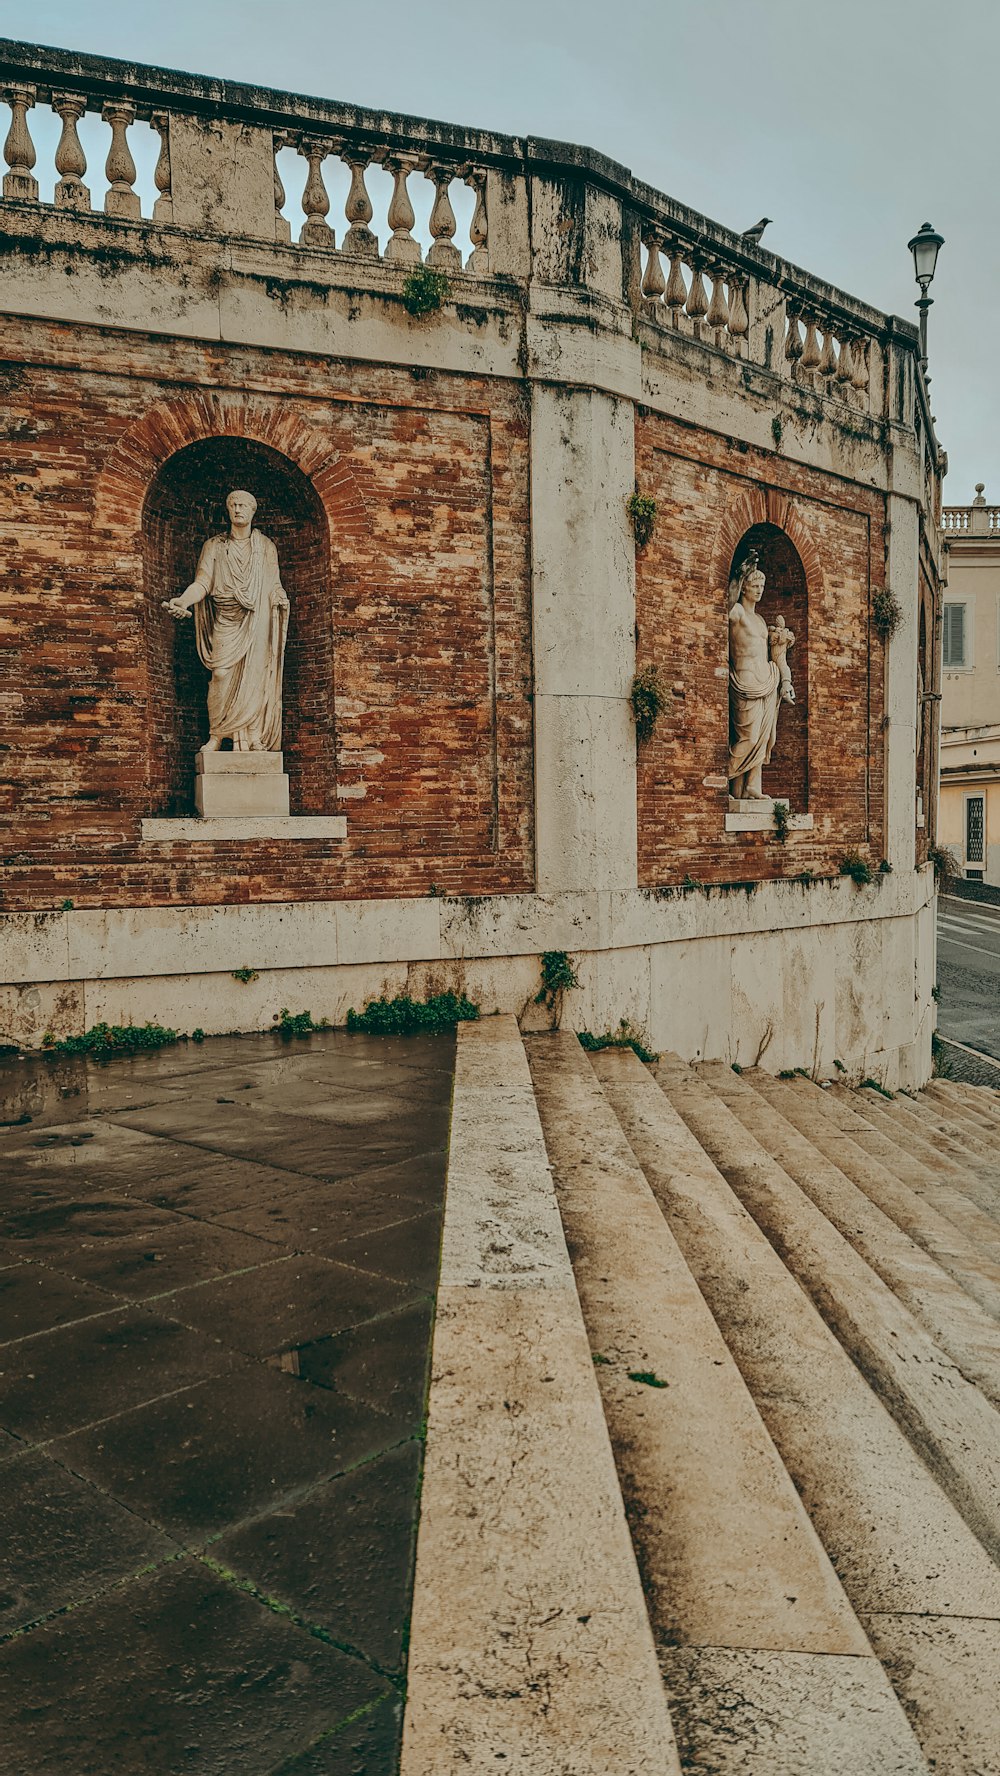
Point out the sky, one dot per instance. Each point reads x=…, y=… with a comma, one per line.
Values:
x=850, y=124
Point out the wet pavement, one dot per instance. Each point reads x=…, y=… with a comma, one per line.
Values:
x=217, y=1270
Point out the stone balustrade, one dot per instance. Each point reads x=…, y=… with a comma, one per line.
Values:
x=979, y=519
x=230, y=158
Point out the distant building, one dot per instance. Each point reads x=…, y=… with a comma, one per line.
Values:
x=969, y=821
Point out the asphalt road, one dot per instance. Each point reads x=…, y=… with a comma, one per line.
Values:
x=969, y=973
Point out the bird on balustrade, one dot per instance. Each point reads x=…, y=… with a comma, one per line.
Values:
x=752, y=235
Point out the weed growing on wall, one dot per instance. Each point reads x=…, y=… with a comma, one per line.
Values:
x=642, y=511
x=403, y=1016
x=300, y=1023
x=245, y=974
x=624, y=1037
x=946, y=870
x=103, y=1040
x=857, y=867
x=782, y=819
x=887, y=613
x=648, y=699
x=558, y=977
x=425, y=290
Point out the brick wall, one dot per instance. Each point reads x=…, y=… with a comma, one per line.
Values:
x=399, y=507
x=821, y=543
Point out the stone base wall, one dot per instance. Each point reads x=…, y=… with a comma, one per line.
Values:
x=789, y=976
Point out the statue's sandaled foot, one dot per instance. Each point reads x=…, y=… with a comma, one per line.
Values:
x=212, y=744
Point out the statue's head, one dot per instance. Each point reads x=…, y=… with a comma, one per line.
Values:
x=750, y=578
x=241, y=506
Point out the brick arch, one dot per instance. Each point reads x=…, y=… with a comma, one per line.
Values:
x=169, y=426
x=762, y=505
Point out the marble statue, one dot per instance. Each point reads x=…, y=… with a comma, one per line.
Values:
x=240, y=621
x=759, y=682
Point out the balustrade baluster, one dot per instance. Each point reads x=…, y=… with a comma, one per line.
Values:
x=359, y=241
x=653, y=281
x=793, y=340
x=316, y=230
x=282, y=226
x=401, y=247
x=120, y=199
x=163, y=207
x=845, y=368
x=718, y=308
x=479, y=259
x=860, y=376
x=675, y=294
x=19, y=149
x=443, y=250
x=828, y=357
x=810, y=351
x=739, y=320
x=697, y=300
x=71, y=162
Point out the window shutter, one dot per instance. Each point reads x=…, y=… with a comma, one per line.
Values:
x=953, y=638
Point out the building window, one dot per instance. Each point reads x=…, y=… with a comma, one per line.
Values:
x=975, y=834
x=954, y=637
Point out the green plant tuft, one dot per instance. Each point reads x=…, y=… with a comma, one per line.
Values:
x=941, y=1065
x=597, y=1358
x=840, y=1066
x=887, y=613
x=648, y=1377
x=946, y=869
x=198, y=1035
x=857, y=867
x=293, y=1024
x=104, y=1040
x=411, y=1017
x=777, y=431
x=876, y=1085
x=885, y=867
x=245, y=974
x=623, y=1037
x=558, y=977
x=67, y=906
x=648, y=700
x=425, y=290
x=642, y=511
x=787, y=1073
x=782, y=820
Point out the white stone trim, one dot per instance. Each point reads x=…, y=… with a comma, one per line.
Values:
x=244, y=826
x=764, y=822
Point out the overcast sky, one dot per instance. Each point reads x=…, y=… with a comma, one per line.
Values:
x=850, y=124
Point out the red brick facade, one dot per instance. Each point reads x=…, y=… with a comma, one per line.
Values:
x=821, y=542
x=399, y=506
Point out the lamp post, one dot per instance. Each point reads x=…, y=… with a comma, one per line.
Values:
x=925, y=247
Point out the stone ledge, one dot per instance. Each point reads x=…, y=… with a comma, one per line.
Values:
x=250, y=826
x=763, y=821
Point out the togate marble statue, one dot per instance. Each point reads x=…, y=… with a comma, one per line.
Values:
x=240, y=618
x=759, y=682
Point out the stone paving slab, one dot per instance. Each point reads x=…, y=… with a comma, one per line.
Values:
x=214, y=1339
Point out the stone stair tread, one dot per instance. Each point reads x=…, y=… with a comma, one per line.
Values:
x=959, y=1147
x=962, y=1329
x=954, y=1428
x=947, y=1190
x=915, y=1214
x=898, y=1544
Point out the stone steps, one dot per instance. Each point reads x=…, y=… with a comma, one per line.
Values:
x=787, y=1320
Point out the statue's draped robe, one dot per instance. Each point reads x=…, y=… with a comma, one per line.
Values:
x=240, y=631
x=753, y=716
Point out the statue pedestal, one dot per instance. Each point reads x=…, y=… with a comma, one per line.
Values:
x=236, y=783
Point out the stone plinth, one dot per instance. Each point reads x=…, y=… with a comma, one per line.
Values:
x=235, y=784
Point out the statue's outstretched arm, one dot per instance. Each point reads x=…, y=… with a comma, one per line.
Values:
x=199, y=588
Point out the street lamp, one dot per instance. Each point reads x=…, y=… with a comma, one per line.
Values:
x=925, y=247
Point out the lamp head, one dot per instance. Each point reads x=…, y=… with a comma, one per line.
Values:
x=925, y=247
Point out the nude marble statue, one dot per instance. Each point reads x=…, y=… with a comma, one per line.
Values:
x=240, y=617
x=759, y=682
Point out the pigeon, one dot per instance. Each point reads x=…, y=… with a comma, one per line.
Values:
x=752, y=235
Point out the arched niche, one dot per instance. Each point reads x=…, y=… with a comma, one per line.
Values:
x=785, y=594
x=185, y=504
